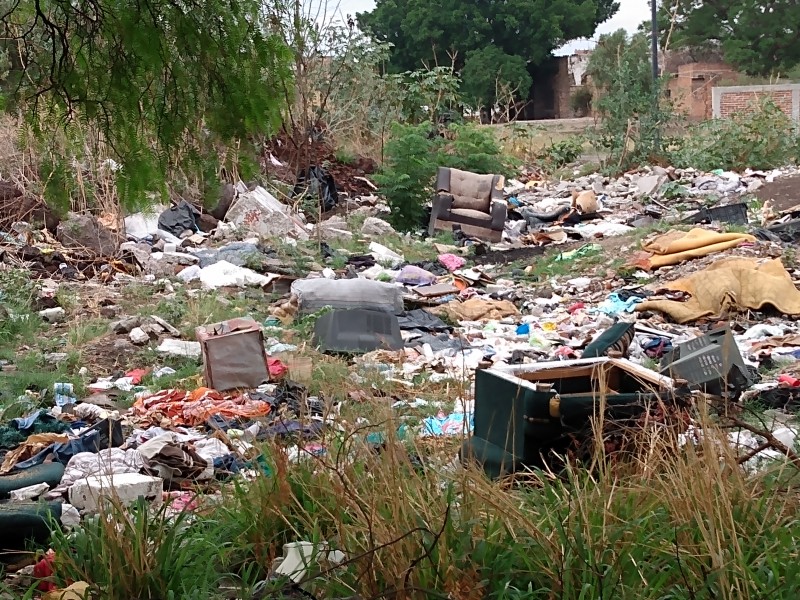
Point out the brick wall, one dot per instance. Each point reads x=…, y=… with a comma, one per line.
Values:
x=691, y=84
x=730, y=100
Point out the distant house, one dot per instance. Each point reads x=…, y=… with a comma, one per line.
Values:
x=554, y=84
x=691, y=79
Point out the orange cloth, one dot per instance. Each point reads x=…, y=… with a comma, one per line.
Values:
x=677, y=246
x=730, y=284
x=195, y=408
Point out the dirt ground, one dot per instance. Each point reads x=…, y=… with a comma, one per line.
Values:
x=784, y=192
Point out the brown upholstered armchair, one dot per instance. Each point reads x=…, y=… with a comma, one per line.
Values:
x=475, y=202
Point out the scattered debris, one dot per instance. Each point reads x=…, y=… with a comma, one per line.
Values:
x=86, y=233
x=546, y=299
x=260, y=213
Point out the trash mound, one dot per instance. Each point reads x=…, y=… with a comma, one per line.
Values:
x=284, y=161
x=16, y=206
x=446, y=344
x=782, y=192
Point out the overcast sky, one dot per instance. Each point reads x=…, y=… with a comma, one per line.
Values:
x=630, y=14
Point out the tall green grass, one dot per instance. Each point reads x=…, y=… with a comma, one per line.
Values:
x=669, y=521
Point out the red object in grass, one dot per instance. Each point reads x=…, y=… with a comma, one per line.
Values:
x=576, y=307
x=44, y=569
x=276, y=368
x=789, y=380
x=136, y=375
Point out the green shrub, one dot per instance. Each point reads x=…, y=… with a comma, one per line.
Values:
x=761, y=137
x=406, y=175
x=581, y=101
x=633, y=108
x=17, y=294
x=413, y=155
x=560, y=153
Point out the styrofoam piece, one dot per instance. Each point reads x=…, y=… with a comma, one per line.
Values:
x=300, y=557
x=140, y=225
x=384, y=255
x=28, y=493
x=180, y=348
x=225, y=274
x=89, y=494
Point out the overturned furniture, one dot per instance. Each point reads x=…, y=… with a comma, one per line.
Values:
x=526, y=413
x=712, y=363
x=472, y=201
x=233, y=354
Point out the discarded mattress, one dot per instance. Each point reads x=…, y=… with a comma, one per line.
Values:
x=730, y=284
x=357, y=330
x=316, y=294
x=677, y=246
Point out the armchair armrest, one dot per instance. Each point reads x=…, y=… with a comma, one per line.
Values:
x=497, y=187
x=499, y=212
x=442, y=203
x=441, y=206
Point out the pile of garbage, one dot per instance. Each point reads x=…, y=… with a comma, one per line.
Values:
x=594, y=206
x=705, y=307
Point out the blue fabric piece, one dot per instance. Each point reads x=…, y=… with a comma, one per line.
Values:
x=36, y=459
x=88, y=442
x=291, y=427
x=452, y=424
x=93, y=440
x=25, y=423
x=228, y=465
x=614, y=305
x=524, y=329
x=376, y=437
x=657, y=347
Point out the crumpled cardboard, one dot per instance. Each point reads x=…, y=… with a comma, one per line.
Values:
x=730, y=284
x=478, y=309
x=676, y=247
x=77, y=591
x=33, y=445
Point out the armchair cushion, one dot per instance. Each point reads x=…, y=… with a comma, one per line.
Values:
x=470, y=190
x=471, y=217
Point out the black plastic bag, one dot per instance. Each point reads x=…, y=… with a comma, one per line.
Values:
x=178, y=219
x=318, y=183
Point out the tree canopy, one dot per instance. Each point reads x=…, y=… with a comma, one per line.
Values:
x=427, y=33
x=757, y=37
x=156, y=78
x=490, y=67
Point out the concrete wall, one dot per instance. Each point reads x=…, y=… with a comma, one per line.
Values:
x=732, y=99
